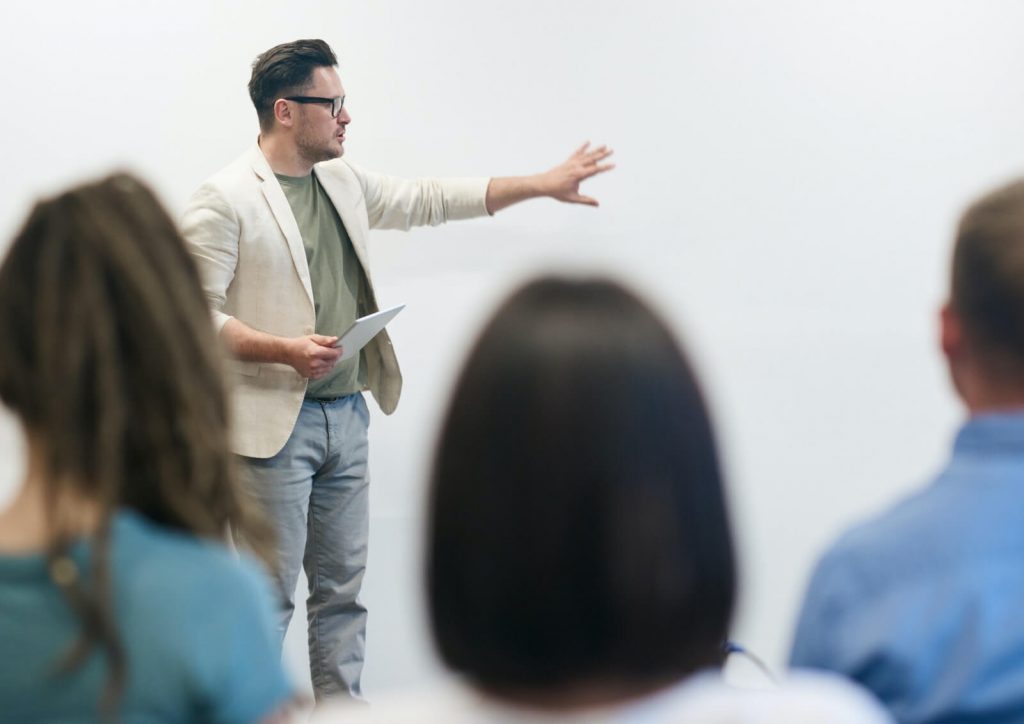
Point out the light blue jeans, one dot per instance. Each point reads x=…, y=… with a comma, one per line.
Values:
x=316, y=492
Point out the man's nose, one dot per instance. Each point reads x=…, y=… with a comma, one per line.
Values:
x=343, y=116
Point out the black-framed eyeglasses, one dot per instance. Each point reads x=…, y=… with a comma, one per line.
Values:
x=336, y=103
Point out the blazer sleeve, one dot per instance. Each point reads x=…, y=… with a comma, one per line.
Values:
x=211, y=230
x=398, y=203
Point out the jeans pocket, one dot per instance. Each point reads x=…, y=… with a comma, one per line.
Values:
x=363, y=409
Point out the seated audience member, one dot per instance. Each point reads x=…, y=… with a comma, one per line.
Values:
x=118, y=599
x=923, y=604
x=580, y=564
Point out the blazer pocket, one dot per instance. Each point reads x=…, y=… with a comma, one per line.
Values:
x=249, y=369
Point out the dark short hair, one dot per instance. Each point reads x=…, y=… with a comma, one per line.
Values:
x=577, y=521
x=988, y=279
x=283, y=70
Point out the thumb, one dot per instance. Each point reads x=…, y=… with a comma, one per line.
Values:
x=323, y=340
x=588, y=200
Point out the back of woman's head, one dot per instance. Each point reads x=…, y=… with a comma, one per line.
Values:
x=110, y=359
x=578, y=529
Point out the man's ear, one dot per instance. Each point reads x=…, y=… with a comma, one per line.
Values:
x=951, y=332
x=283, y=113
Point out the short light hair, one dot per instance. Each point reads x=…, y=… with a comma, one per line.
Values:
x=988, y=279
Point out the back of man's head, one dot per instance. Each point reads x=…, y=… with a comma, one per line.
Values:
x=988, y=283
x=283, y=70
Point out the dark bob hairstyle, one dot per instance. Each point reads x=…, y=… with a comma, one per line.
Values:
x=577, y=526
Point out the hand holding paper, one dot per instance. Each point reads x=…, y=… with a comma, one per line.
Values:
x=363, y=330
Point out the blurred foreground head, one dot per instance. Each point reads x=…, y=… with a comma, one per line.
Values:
x=110, y=359
x=578, y=532
x=983, y=321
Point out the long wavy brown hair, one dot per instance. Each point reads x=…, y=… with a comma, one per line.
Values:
x=110, y=360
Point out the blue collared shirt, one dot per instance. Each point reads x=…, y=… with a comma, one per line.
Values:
x=924, y=605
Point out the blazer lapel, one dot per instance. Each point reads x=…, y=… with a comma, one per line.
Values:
x=343, y=197
x=282, y=211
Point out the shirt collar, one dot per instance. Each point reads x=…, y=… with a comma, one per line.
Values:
x=992, y=432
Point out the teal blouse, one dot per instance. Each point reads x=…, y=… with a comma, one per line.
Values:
x=196, y=624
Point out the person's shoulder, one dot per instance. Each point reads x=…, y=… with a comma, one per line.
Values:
x=160, y=557
x=341, y=167
x=809, y=698
x=875, y=562
x=804, y=698
x=836, y=698
x=887, y=536
x=238, y=176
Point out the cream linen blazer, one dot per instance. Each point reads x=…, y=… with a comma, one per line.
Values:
x=252, y=264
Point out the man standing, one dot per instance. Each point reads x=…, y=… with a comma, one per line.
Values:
x=923, y=604
x=280, y=240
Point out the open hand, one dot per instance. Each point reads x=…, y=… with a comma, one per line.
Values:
x=563, y=181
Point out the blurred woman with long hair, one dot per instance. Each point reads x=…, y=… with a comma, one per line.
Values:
x=118, y=597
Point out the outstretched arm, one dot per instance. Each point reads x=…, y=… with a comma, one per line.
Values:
x=562, y=182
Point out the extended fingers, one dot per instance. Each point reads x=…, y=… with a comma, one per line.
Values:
x=584, y=163
x=596, y=168
x=582, y=149
x=585, y=153
x=591, y=161
x=597, y=155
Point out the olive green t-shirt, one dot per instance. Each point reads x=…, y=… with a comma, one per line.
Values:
x=335, y=274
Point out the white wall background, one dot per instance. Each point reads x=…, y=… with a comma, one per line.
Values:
x=789, y=175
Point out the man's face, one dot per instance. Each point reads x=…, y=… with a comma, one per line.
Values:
x=318, y=136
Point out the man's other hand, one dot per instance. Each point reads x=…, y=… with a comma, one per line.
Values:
x=313, y=355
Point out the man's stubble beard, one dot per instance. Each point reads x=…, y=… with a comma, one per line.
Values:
x=314, y=152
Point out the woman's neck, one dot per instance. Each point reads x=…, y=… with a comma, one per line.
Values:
x=27, y=524
x=581, y=696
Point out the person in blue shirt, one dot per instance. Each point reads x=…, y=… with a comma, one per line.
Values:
x=923, y=604
x=118, y=599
